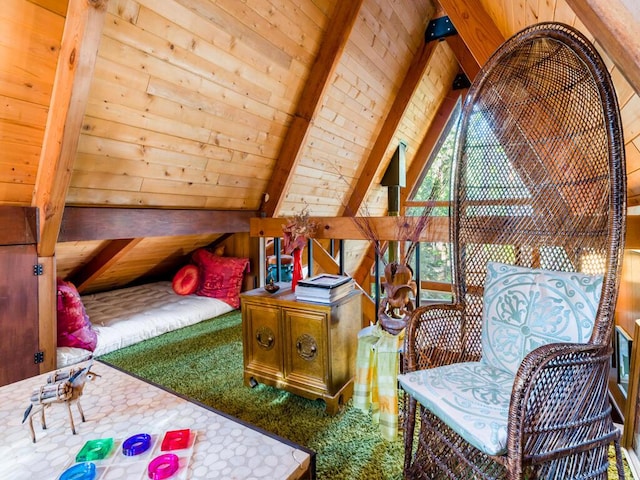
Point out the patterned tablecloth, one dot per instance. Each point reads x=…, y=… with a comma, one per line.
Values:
x=117, y=405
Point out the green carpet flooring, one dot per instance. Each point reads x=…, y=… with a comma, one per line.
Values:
x=204, y=362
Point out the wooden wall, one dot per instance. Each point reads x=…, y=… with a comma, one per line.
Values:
x=28, y=56
x=189, y=105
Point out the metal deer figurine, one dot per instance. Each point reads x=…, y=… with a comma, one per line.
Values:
x=61, y=387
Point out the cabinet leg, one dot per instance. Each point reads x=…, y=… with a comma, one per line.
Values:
x=337, y=402
x=250, y=381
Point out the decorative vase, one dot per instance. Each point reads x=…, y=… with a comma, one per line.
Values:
x=296, y=276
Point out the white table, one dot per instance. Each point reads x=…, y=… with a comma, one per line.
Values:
x=118, y=405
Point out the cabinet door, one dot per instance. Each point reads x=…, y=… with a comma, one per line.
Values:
x=262, y=339
x=306, y=354
x=18, y=313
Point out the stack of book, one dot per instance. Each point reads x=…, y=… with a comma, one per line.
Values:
x=324, y=288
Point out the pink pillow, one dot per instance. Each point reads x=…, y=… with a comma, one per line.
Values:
x=220, y=277
x=185, y=281
x=74, y=327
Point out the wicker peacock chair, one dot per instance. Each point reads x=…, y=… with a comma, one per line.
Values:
x=510, y=381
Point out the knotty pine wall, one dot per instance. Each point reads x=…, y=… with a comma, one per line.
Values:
x=184, y=114
x=29, y=50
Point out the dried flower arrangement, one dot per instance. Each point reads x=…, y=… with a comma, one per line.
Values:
x=297, y=231
x=398, y=284
x=406, y=231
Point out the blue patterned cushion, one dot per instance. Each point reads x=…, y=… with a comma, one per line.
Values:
x=525, y=308
x=472, y=398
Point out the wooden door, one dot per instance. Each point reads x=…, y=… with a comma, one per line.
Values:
x=262, y=340
x=18, y=313
x=306, y=355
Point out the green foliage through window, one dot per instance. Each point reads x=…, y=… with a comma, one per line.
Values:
x=435, y=258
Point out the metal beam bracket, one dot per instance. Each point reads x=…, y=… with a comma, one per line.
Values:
x=438, y=29
x=460, y=82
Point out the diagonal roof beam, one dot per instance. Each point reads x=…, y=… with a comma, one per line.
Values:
x=105, y=259
x=467, y=62
x=429, y=142
x=474, y=26
x=80, y=40
x=616, y=29
x=411, y=81
x=336, y=38
x=478, y=37
x=415, y=170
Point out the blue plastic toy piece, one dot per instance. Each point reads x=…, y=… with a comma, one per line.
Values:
x=80, y=471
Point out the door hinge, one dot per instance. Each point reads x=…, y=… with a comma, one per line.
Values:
x=38, y=269
x=38, y=357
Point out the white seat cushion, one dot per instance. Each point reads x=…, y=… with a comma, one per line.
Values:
x=472, y=398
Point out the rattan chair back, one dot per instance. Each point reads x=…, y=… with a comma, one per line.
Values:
x=539, y=181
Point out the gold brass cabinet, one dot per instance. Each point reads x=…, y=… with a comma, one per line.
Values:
x=305, y=348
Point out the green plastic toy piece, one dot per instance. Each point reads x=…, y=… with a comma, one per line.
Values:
x=95, y=450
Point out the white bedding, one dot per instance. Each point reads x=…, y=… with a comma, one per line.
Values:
x=130, y=315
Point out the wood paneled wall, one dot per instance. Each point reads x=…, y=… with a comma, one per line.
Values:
x=191, y=100
x=29, y=47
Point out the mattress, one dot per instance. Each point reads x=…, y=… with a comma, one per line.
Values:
x=130, y=315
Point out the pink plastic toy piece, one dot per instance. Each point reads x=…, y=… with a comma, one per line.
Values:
x=163, y=466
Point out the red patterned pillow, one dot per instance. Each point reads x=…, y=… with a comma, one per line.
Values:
x=220, y=277
x=185, y=281
x=74, y=327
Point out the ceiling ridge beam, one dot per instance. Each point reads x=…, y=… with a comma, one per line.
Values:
x=76, y=62
x=329, y=55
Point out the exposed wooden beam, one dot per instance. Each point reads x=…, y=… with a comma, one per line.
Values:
x=384, y=228
x=466, y=60
x=95, y=223
x=474, y=26
x=321, y=72
x=24, y=222
x=80, y=40
x=410, y=83
x=430, y=140
x=323, y=259
x=105, y=259
x=616, y=29
x=633, y=232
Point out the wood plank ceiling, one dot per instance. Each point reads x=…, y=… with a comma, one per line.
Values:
x=271, y=104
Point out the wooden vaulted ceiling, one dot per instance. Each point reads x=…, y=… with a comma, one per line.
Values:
x=272, y=105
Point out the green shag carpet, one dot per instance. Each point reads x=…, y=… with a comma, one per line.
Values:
x=204, y=362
